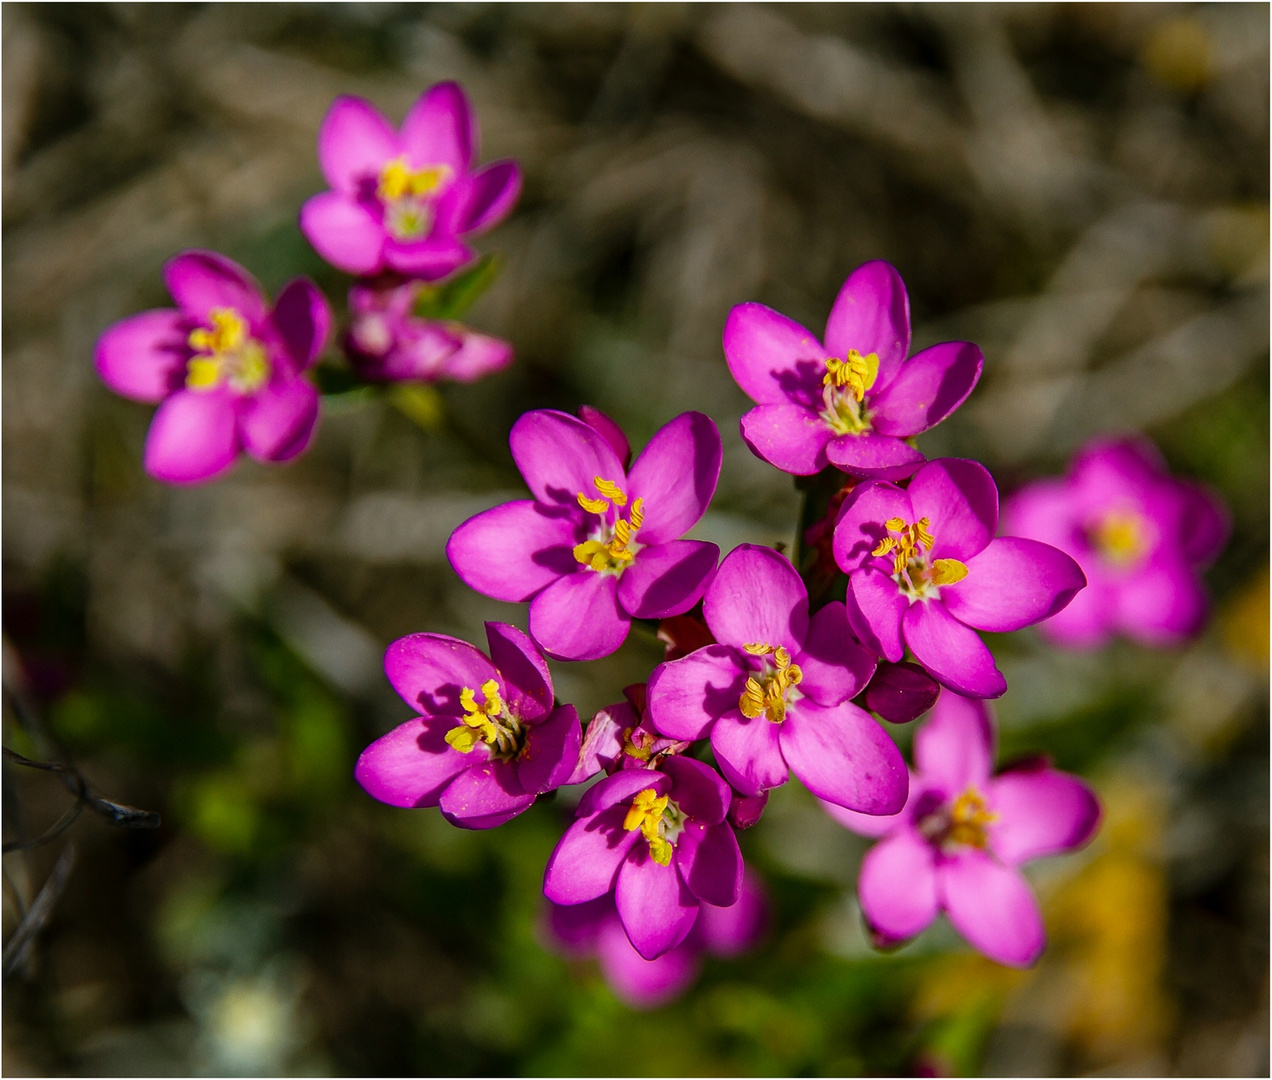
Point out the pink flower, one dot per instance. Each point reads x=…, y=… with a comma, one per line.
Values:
x=224, y=367
x=854, y=400
x=598, y=545
x=656, y=838
x=489, y=739
x=774, y=695
x=1140, y=535
x=386, y=342
x=594, y=929
x=405, y=199
x=621, y=737
x=925, y=571
x=957, y=844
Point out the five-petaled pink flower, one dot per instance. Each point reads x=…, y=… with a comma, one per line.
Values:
x=1140, y=535
x=774, y=693
x=488, y=739
x=387, y=342
x=853, y=400
x=658, y=839
x=594, y=928
x=598, y=545
x=225, y=368
x=959, y=842
x=405, y=200
x=924, y=570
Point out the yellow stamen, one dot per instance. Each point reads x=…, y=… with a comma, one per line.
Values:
x=631, y=749
x=766, y=696
x=758, y=648
x=611, y=491
x=226, y=352
x=592, y=506
x=398, y=181
x=857, y=373
x=478, y=721
x=947, y=571
x=638, y=513
x=911, y=542
x=1121, y=537
x=203, y=373
x=968, y=817
x=646, y=814
x=609, y=547
x=660, y=851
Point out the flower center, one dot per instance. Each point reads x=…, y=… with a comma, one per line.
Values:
x=610, y=548
x=769, y=694
x=226, y=353
x=407, y=194
x=1121, y=537
x=659, y=820
x=844, y=389
x=490, y=722
x=911, y=569
x=962, y=823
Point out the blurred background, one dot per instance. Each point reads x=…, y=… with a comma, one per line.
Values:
x=1082, y=190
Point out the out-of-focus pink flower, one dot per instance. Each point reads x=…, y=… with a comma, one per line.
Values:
x=1140, y=535
x=225, y=368
x=594, y=929
x=405, y=200
x=387, y=342
x=488, y=740
x=658, y=840
x=958, y=843
x=924, y=570
x=599, y=544
x=853, y=401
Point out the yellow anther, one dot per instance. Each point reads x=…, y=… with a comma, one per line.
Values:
x=660, y=851
x=947, y=571
x=1121, y=537
x=631, y=749
x=203, y=373
x=766, y=695
x=622, y=532
x=751, y=703
x=910, y=543
x=611, y=491
x=895, y=525
x=478, y=721
x=397, y=180
x=592, y=506
x=645, y=813
x=228, y=332
x=638, y=513
x=968, y=817
x=857, y=373
x=226, y=352
x=758, y=648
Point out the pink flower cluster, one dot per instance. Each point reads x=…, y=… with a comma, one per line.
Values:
x=230, y=373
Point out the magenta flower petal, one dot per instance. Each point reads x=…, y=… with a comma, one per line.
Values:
x=354, y=143
x=686, y=696
x=621, y=788
x=413, y=763
x=577, y=927
x=278, y=423
x=897, y=888
x=749, y=752
x=1013, y=583
x=515, y=550
x=585, y=860
x=731, y=930
x=484, y=198
x=1206, y=522
x=440, y=129
x=773, y=358
x=789, y=437
x=859, y=528
x=655, y=905
x=429, y=260
x=676, y=475
x=952, y=652
x=343, y=232
x=640, y=983
x=1086, y=622
x=879, y=457
x=710, y=862
x=842, y=755
x=478, y=355
x=484, y=796
x=757, y=596
x=835, y=667
x=302, y=318
x=551, y=751
x=872, y=315
x=430, y=670
x=992, y=907
x=698, y=789
x=609, y=430
x=875, y=608
x=901, y=692
x=960, y=499
x=871, y=825
x=192, y=438
x=954, y=749
x=560, y=455
x=928, y=387
x=603, y=741
x=1161, y=605
x=578, y=618
x=667, y=579
x=527, y=683
x=144, y=357
x=202, y=280
x=1041, y=811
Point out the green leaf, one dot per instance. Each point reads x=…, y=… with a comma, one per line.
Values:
x=451, y=299
x=421, y=403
